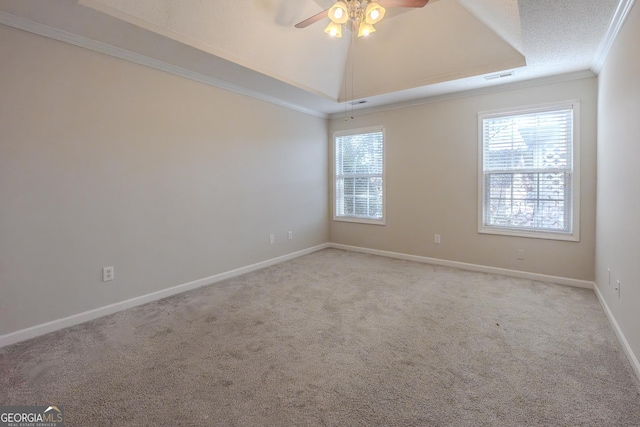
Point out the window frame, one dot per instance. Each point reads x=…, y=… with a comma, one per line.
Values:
x=334, y=176
x=574, y=213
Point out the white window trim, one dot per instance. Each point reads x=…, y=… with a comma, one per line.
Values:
x=574, y=236
x=356, y=219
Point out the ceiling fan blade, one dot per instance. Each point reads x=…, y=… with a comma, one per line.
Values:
x=314, y=18
x=403, y=3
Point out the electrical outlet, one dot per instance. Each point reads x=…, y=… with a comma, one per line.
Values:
x=272, y=239
x=108, y=274
x=436, y=239
x=520, y=255
x=290, y=235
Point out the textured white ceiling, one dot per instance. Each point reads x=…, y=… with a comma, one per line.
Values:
x=564, y=32
x=445, y=47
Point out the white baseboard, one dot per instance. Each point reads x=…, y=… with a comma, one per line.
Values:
x=76, y=319
x=635, y=364
x=471, y=267
x=34, y=331
x=86, y=316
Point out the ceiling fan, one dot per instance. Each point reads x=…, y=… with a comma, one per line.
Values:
x=358, y=15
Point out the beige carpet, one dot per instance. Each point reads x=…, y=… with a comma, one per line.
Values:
x=338, y=339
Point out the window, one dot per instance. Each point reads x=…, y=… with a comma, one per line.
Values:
x=359, y=176
x=529, y=172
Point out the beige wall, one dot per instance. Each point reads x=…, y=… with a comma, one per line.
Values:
x=432, y=184
x=104, y=162
x=618, y=225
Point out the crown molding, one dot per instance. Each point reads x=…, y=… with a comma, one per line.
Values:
x=615, y=26
x=559, y=78
x=117, y=52
x=619, y=18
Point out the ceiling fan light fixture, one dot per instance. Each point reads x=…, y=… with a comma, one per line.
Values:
x=334, y=30
x=374, y=13
x=365, y=29
x=338, y=13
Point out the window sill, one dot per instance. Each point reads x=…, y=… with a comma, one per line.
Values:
x=574, y=237
x=359, y=220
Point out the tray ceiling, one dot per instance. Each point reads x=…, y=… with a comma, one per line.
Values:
x=252, y=45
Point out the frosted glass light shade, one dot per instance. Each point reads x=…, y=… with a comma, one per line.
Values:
x=338, y=13
x=374, y=13
x=334, y=30
x=365, y=29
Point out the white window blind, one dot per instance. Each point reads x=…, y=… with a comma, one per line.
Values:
x=359, y=176
x=527, y=171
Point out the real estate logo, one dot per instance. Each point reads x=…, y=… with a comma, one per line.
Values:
x=31, y=416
